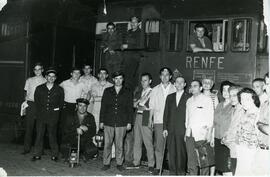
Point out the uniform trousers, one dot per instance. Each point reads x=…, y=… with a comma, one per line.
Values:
x=117, y=135
x=52, y=132
x=29, y=126
x=143, y=134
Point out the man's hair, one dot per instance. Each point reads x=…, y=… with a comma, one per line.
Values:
x=258, y=80
x=103, y=69
x=180, y=76
x=118, y=73
x=254, y=96
x=134, y=17
x=235, y=87
x=225, y=83
x=165, y=68
x=75, y=69
x=199, y=25
x=110, y=24
x=147, y=74
x=198, y=81
x=87, y=64
x=38, y=64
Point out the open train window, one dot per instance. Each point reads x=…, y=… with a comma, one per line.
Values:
x=207, y=36
x=152, y=34
x=175, y=35
x=241, y=31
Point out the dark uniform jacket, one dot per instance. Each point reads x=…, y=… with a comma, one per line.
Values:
x=70, y=133
x=175, y=116
x=116, y=109
x=113, y=41
x=48, y=103
x=134, y=39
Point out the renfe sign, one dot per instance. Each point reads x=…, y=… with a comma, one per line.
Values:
x=204, y=62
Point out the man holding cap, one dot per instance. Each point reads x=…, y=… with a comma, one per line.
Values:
x=115, y=117
x=49, y=99
x=80, y=123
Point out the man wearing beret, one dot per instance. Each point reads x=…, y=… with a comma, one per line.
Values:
x=49, y=99
x=80, y=123
x=115, y=117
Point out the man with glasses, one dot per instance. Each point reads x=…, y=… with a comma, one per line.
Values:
x=49, y=99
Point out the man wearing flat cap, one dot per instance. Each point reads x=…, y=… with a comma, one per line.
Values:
x=80, y=123
x=115, y=117
x=49, y=99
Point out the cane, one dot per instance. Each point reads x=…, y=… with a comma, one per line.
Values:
x=78, y=149
x=164, y=147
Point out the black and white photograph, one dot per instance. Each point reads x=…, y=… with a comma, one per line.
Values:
x=134, y=88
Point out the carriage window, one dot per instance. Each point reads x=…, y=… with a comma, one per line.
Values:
x=152, y=34
x=262, y=38
x=207, y=36
x=175, y=35
x=241, y=35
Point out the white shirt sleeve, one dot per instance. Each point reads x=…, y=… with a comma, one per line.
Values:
x=26, y=86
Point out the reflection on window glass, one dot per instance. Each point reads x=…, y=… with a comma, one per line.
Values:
x=262, y=38
x=207, y=36
x=176, y=35
x=152, y=34
x=241, y=35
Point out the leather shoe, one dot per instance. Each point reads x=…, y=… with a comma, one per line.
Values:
x=35, y=158
x=53, y=158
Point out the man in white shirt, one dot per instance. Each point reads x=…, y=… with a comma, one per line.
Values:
x=157, y=105
x=73, y=89
x=199, y=120
x=96, y=93
x=88, y=80
x=258, y=87
x=29, y=88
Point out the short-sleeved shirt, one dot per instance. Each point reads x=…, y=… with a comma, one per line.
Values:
x=222, y=119
x=196, y=41
x=73, y=91
x=30, y=86
x=264, y=118
x=88, y=81
x=96, y=95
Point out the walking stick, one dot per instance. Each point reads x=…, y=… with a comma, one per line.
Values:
x=164, y=147
x=78, y=149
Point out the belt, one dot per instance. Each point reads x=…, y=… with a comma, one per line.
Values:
x=139, y=113
x=264, y=147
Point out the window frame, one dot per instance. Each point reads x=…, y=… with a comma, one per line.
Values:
x=232, y=33
x=225, y=32
x=176, y=21
x=145, y=34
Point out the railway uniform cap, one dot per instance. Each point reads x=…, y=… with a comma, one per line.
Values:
x=82, y=100
x=51, y=70
x=118, y=73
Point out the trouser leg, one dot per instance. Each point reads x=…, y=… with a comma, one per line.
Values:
x=172, y=154
x=181, y=155
x=40, y=128
x=147, y=135
x=119, y=140
x=52, y=131
x=129, y=144
x=30, y=123
x=108, y=140
x=192, y=162
x=159, y=144
x=137, y=150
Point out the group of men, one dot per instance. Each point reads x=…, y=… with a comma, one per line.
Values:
x=159, y=117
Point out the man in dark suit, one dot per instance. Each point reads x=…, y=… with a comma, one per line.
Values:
x=174, y=127
x=49, y=100
x=116, y=115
